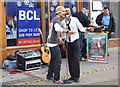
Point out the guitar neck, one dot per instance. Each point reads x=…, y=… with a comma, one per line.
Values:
x=42, y=36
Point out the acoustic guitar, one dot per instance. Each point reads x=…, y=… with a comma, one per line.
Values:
x=45, y=50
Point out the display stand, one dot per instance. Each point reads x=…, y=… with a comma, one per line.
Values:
x=97, y=47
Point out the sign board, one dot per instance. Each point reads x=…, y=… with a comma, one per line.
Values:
x=97, y=47
x=97, y=5
x=28, y=25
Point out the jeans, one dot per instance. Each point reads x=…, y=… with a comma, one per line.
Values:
x=55, y=63
x=83, y=45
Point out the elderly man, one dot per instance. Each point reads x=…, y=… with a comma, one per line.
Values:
x=83, y=19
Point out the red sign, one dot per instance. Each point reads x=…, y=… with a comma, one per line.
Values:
x=29, y=41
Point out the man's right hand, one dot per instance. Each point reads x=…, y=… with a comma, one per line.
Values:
x=102, y=22
x=71, y=32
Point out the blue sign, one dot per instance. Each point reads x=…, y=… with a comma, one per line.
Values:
x=28, y=25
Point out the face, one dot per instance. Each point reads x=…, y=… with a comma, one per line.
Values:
x=106, y=12
x=62, y=14
x=67, y=14
x=67, y=11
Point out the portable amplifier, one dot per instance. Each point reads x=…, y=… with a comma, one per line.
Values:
x=28, y=60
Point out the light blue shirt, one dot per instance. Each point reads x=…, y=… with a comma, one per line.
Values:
x=106, y=20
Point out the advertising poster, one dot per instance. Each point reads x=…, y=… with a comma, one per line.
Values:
x=97, y=47
x=28, y=26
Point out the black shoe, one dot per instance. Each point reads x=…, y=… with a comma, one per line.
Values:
x=49, y=79
x=74, y=79
x=108, y=54
x=68, y=81
x=70, y=78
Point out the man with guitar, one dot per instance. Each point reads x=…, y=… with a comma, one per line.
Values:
x=73, y=24
x=52, y=42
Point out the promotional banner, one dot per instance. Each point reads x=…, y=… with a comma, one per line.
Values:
x=28, y=25
x=97, y=47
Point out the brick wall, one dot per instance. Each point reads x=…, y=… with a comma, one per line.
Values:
x=114, y=43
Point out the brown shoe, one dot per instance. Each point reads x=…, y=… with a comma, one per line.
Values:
x=83, y=59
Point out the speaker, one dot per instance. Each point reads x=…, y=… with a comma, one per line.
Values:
x=28, y=60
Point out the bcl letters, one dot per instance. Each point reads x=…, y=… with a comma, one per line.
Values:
x=29, y=15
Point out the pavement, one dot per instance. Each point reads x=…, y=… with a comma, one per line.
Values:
x=91, y=73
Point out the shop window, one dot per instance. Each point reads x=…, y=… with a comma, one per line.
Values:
x=50, y=11
x=72, y=4
x=53, y=6
x=86, y=5
x=11, y=19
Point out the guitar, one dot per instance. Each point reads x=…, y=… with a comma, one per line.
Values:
x=46, y=54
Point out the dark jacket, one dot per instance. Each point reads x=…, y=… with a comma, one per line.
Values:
x=112, y=22
x=82, y=18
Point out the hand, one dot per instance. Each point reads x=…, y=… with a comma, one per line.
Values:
x=63, y=45
x=102, y=22
x=61, y=42
x=90, y=29
x=112, y=32
x=71, y=32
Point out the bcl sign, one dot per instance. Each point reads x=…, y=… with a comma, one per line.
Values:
x=28, y=24
x=29, y=15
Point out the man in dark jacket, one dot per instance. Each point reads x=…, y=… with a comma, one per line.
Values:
x=106, y=19
x=84, y=20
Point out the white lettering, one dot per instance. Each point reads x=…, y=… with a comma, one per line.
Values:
x=35, y=18
x=21, y=35
x=36, y=34
x=22, y=15
x=28, y=15
x=28, y=34
x=23, y=30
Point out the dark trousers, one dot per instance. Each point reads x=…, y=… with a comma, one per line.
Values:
x=55, y=63
x=73, y=58
x=109, y=35
x=83, y=45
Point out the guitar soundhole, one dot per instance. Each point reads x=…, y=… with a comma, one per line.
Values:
x=47, y=51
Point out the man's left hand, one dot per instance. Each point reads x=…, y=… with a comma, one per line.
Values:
x=90, y=29
x=112, y=32
x=61, y=42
